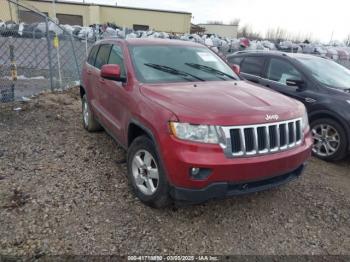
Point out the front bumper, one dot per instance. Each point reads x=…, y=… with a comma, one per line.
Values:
x=223, y=189
x=179, y=157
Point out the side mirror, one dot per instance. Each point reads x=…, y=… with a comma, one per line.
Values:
x=295, y=82
x=236, y=69
x=111, y=72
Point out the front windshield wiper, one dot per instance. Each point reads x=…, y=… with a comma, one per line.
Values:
x=172, y=71
x=209, y=70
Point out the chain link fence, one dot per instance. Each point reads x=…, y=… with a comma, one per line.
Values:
x=36, y=54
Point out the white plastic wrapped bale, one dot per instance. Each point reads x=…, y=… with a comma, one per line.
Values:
x=108, y=33
x=55, y=28
x=20, y=29
x=267, y=44
x=86, y=33
x=342, y=53
x=208, y=42
x=332, y=53
x=68, y=28
x=197, y=38
x=132, y=35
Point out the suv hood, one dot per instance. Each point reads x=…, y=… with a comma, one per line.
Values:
x=222, y=102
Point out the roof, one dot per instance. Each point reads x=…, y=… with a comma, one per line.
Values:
x=274, y=52
x=112, y=6
x=157, y=41
x=218, y=24
x=153, y=41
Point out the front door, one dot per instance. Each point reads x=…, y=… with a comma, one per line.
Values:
x=114, y=95
x=279, y=72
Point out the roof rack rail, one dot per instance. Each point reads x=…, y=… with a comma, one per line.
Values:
x=259, y=51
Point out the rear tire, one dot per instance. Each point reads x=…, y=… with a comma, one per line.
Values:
x=89, y=122
x=330, y=140
x=146, y=173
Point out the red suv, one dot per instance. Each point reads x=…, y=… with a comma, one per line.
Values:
x=193, y=130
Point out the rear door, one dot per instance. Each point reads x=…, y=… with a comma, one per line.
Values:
x=88, y=77
x=97, y=81
x=114, y=95
x=252, y=68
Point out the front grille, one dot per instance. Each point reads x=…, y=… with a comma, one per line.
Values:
x=266, y=138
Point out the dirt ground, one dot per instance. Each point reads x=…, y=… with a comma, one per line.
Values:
x=64, y=191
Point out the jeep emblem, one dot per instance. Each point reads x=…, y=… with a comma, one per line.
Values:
x=271, y=117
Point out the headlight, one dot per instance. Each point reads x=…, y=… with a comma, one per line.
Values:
x=305, y=122
x=197, y=133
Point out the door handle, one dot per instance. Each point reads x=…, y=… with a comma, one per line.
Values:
x=89, y=72
x=102, y=80
x=267, y=85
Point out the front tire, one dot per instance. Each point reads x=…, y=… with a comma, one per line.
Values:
x=89, y=122
x=146, y=173
x=330, y=140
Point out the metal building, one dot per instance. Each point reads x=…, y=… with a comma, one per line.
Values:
x=77, y=13
x=222, y=30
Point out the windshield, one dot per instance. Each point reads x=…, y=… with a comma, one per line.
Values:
x=161, y=63
x=327, y=72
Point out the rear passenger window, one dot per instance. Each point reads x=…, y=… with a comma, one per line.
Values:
x=235, y=60
x=102, y=56
x=117, y=58
x=253, y=65
x=92, y=55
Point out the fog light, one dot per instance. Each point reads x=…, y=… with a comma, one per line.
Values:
x=195, y=171
x=199, y=173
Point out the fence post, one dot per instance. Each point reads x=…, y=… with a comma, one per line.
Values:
x=49, y=53
x=35, y=50
x=75, y=57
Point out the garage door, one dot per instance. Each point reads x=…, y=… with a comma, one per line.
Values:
x=30, y=17
x=70, y=19
x=140, y=27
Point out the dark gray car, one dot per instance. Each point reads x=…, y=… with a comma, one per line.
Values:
x=320, y=83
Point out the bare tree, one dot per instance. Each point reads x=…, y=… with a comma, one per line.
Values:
x=281, y=34
x=215, y=22
x=234, y=21
x=347, y=40
x=247, y=32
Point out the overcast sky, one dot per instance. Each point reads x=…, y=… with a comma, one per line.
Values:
x=318, y=17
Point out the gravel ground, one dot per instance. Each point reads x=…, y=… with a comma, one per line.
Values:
x=64, y=191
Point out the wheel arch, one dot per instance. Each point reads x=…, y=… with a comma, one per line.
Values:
x=326, y=114
x=136, y=129
x=82, y=91
x=135, y=126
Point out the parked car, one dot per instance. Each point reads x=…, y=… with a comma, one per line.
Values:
x=320, y=83
x=192, y=129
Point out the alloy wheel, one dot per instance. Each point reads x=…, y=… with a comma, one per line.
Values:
x=326, y=140
x=86, y=113
x=145, y=172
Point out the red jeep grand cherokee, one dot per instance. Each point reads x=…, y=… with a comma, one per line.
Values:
x=192, y=129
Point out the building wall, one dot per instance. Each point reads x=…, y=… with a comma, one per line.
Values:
x=176, y=22
x=229, y=31
x=159, y=21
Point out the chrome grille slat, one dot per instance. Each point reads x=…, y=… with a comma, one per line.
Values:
x=255, y=132
x=267, y=135
x=286, y=127
x=285, y=135
x=278, y=137
x=241, y=135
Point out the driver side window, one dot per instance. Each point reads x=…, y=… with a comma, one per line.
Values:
x=116, y=57
x=281, y=71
